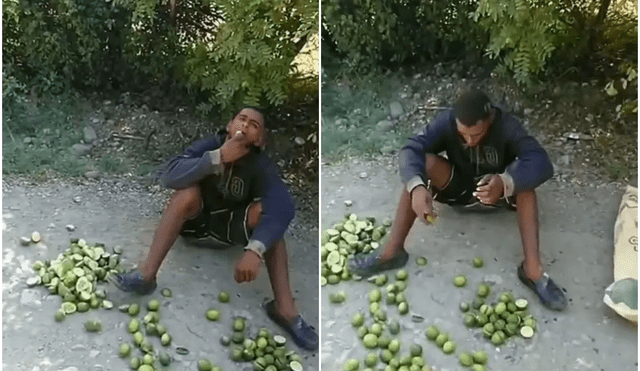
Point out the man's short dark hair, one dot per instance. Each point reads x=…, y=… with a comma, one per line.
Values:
x=472, y=106
x=260, y=110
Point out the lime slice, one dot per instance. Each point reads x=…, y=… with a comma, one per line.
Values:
x=521, y=304
x=84, y=296
x=336, y=268
x=526, y=332
x=280, y=340
x=35, y=237
x=295, y=366
x=332, y=232
x=323, y=281
x=68, y=307
x=34, y=281
x=83, y=285
x=333, y=258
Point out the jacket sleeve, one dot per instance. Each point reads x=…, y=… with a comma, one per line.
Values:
x=192, y=166
x=277, y=206
x=532, y=165
x=412, y=159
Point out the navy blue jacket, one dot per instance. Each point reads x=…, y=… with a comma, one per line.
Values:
x=507, y=149
x=252, y=177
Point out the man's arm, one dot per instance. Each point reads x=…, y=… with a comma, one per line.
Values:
x=277, y=208
x=201, y=159
x=532, y=166
x=412, y=157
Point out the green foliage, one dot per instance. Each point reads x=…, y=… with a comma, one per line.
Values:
x=381, y=32
x=626, y=89
x=523, y=34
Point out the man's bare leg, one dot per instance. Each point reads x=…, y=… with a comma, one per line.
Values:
x=183, y=205
x=529, y=231
x=439, y=171
x=276, y=260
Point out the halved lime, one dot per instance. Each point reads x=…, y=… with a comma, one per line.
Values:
x=526, y=332
x=521, y=304
x=333, y=258
x=280, y=340
x=83, y=285
x=68, y=307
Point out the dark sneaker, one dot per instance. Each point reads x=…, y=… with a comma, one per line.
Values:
x=549, y=293
x=303, y=334
x=133, y=282
x=366, y=265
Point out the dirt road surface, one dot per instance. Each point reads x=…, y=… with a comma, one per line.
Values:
x=576, y=247
x=124, y=213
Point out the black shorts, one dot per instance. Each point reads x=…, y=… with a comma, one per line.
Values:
x=221, y=227
x=459, y=191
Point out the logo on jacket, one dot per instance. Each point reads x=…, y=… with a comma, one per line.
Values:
x=236, y=187
x=492, y=155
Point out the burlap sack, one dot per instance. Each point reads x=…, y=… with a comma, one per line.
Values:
x=621, y=295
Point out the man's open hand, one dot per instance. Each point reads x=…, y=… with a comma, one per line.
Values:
x=235, y=148
x=422, y=204
x=490, y=192
x=247, y=267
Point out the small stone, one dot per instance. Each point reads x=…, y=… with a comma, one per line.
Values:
x=363, y=175
x=348, y=203
x=528, y=111
x=78, y=347
x=396, y=109
x=92, y=174
x=94, y=353
x=564, y=160
x=385, y=125
x=387, y=150
x=299, y=141
x=77, y=199
x=80, y=150
x=25, y=241
x=71, y=227
x=70, y=369
x=26, y=140
x=89, y=134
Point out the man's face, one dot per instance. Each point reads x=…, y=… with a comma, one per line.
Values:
x=472, y=135
x=251, y=123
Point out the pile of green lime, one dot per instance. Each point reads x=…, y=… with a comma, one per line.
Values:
x=74, y=276
x=352, y=235
x=142, y=331
x=268, y=352
x=501, y=320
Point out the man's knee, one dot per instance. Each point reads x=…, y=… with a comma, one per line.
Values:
x=187, y=201
x=253, y=215
x=439, y=170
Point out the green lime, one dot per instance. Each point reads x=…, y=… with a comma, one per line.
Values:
x=483, y=290
x=496, y=339
x=418, y=361
x=93, y=325
x=151, y=329
x=374, y=307
x=394, y=327
x=153, y=305
x=164, y=359
x=145, y=367
x=204, y=365
x=357, y=320
x=415, y=350
x=466, y=359
x=432, y=332
x=223, y=297
x=134, y=363
x=213, y=314
x=161, y=329
x=166, y=293
x=449, y=347
x=478, y=367
x=376, y=329
x=225, y=340
x=464, y=306
x=375, y=295
x=477, y=303
x=488, y=330
x=323, y=281
x=165, y=340
x=134, y=309
x=82, y=307
x=138, y=338
x=403, y=308
x=383, y=341
x=506, y=297
x=352, y=365
x=482, y=319
x=521, y=304
x=333, y=279
x=459, y=281
x=400, y=297
x=478, y=262
x=362, y=331
x=124, y=350
x=371, y=360
x=370, y=341
x=134, y=326
x=391, y=298
x=511, y=307
x=386, y=356
x=441, y=339
x=60, y=315
x=400, y=285
x=402, y=275
x=421, y=261
x=405, y=360
x=380, y=316
x=500, y=308
x=83, y=285
x=394, y=346
x=480, y=357
x=381, y=280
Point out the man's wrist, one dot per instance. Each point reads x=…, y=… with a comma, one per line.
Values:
x=257, y=247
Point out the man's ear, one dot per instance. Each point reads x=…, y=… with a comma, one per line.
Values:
x=262, y=142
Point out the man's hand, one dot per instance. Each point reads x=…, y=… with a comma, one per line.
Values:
x=489, y=192
x=422, y=204
x=247, y=267
x=234, y=149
